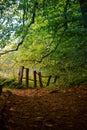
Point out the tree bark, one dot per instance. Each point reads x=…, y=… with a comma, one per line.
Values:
x=83, y=6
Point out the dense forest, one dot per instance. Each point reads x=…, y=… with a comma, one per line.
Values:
x=47, y=35
x=44, y=41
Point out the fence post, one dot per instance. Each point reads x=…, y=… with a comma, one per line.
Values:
x=35, y=80
x=27, y=77
x=0, y=90
x=48, y=82
x=55, y=79
x=40, y=79
x=21, y=70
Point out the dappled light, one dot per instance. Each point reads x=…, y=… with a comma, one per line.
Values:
x=43, y=64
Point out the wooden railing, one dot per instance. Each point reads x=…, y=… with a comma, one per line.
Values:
x=35, y=76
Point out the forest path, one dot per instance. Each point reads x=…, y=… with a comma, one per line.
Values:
x=46, y=109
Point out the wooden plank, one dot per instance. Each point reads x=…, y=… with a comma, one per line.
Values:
x=35, y=80
x=40, y=79
x=20, y=76
x=48, y=82
x=27, y=77
x=0, y=90
x=55, y=79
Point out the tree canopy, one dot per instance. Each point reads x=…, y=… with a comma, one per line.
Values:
x=50, y=32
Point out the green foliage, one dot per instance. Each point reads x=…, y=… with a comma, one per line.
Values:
x=56, y=43
x=10, y=83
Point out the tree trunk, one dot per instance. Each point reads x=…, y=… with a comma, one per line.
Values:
x=83, y=6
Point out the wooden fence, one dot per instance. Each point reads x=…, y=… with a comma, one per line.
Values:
x=36, y=75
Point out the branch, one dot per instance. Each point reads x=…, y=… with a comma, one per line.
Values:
x=52, y=51
x=66, y=26
x=32, y=21
x=19, y=44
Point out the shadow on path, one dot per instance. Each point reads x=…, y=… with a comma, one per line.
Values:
x=46, y=110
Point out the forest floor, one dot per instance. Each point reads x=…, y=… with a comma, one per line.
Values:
x=44, y=109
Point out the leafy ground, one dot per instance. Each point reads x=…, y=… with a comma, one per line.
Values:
x=44, y=109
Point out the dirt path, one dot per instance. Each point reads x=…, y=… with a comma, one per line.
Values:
x=46, y=110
